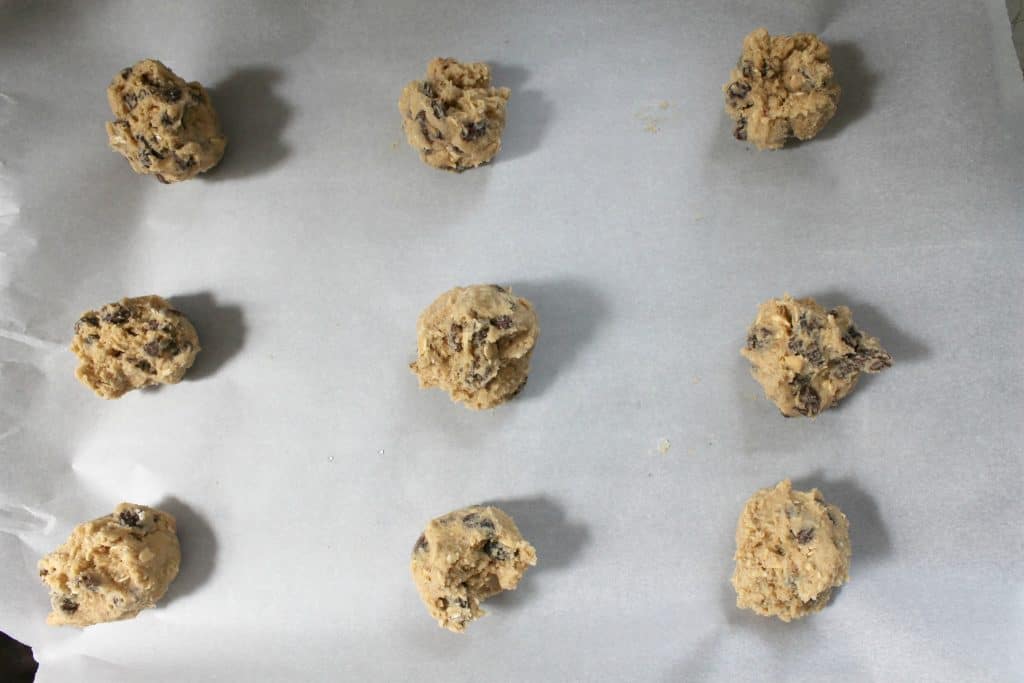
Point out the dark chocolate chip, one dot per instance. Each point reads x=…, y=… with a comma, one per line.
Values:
x=130, y=100
x=740, y=130
x=474, y=131
x=172, y=94
x=438, y=108
x=116, y=315
x=805, y=536
x=129, y=518
x=462, y=602
x=116, y=353
x=43, y=572
x=421, y=544
x=748, y=70
x=152, y=348
x=161, y=178
x=68, y=605
x=144, y=365
x=810, y=400
x=165, y=120
x=87, y=320
x=738, y=90
x=184, y=164
x=474, y=521
x=126, y=72
x=92, y=339
x=427, y=90
x=496, y=550
x=422, y=118
x=502, y=322
x=147, y=81
x=480, y=336
x=455, y=337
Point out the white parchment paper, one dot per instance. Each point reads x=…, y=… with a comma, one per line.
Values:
x=300, y=457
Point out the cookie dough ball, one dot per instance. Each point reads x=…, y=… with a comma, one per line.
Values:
x=475, y=343
x=782, y=87
x=792, y=549
x=806, y=358
x=466, y=557
x=454, y=118
x=132, y=344
x=162, y=125
x=113, y=567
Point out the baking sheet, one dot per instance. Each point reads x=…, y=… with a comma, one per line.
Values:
x=300, y=457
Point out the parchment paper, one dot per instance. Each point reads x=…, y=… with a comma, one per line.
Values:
x=300, y=457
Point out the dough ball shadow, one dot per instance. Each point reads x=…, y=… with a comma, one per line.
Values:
x=221, y=331
x=198, y=549
x=528, y=115
x=253, y=117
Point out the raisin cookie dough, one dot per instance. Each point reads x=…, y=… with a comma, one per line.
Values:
x=162, y=125
x=792, y=549
x=782, y=87
x=131, y=344
x=475, y=343
x=466, y=557
x=454, y=118
x=113, y=567
x=806, y=358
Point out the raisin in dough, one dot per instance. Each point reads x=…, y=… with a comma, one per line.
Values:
x=132, y=344
x=162, y=125
x=113, y=567
x=454, y=118
x=806, y=358
x=466, y=557
x=782, y=87
x=792, y=549
x=475, y=343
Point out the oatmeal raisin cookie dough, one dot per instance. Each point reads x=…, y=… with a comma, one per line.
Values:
x=782, y=87
x=162, y=125
x=133, y=343
x=455, y=117
x=465, y=557
x=792, y=550
x=475, y=343
x=807, y=359
x=113, y=567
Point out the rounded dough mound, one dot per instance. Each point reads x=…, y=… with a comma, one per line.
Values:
x=782, y=87
x=475, y=343
x=465, y=557
x=454, y=118
x=792, y=549
x=806, y=358
x=113, y=567
x=163, y=126
x=131, y=344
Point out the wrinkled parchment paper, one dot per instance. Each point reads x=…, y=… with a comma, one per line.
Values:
x=301, y=459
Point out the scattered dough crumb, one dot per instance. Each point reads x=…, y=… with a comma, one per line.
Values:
x=664, y=445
